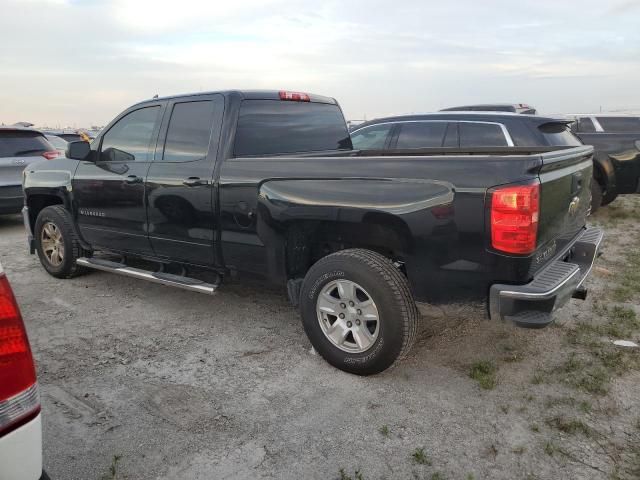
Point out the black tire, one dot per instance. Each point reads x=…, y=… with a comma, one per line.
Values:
x=389, y=290
x=61, y=218
x=596, y=195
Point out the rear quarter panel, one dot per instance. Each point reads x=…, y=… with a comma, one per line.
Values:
x=442, y=204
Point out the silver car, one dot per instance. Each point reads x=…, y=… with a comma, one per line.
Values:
x=19, y=147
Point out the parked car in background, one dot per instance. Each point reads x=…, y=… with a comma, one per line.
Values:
x=469, y=130
x=19, y=147
x=266, y=183
x=58, y=142
x=20, y=422
x=616, y=141
x=495, y=107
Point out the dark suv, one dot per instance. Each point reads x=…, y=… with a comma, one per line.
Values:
x=472, y=130
x=463, y=129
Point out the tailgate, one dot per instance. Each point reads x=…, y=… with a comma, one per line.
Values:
x=565, y=195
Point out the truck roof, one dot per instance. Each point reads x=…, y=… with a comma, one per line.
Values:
x=248, y=94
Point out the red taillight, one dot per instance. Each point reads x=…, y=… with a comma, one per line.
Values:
x=50, y=155
x=294, y=96
x=514, y=218
x=18, y=392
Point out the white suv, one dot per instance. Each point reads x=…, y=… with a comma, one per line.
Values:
x=20, y=423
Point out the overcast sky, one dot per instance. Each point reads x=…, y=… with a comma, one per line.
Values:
x=80, y=62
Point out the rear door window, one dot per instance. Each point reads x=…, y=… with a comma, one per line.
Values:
x=585, y=125
x=421, y=134
x=189, y=132
x=371, y=138
x=481, y=135
x=268, y=127
x=620, y=124
x=16, y=143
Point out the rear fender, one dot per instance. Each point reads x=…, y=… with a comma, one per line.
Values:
x=413, y=210
x=356, y=200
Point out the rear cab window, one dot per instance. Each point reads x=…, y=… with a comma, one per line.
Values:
x=270, y=127
x=16, y=143
x=619, y=124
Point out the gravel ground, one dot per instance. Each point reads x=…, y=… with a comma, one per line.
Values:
x=141, y=381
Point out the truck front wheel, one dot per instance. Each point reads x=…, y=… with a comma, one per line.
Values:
x=56, y=242
x=358, y=311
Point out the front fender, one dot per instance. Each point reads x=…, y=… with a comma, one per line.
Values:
x=52, y=174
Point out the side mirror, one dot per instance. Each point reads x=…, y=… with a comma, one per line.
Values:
x=78, y=150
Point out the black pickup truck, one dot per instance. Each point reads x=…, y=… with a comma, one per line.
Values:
x=616, y=142
x=267, y=184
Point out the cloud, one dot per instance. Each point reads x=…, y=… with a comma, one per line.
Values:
x=83, y=61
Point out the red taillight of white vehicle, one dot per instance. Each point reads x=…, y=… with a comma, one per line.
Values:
x=294, y=96
x=19, y=399
x=51, y=155
x=514, y=218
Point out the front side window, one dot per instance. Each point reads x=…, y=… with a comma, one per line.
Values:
x=421, y=134
x=189, y=132
x=129, y=140
x=481, y=135
x=620, y=124
x=371, y=138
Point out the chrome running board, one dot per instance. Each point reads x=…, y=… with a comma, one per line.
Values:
x=178, y=281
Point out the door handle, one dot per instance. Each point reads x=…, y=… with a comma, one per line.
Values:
x=131, y=179
x=194, y=182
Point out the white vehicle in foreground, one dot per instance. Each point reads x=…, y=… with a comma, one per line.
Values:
x=20, y=422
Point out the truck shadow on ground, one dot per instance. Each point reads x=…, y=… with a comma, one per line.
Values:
x=10, y=221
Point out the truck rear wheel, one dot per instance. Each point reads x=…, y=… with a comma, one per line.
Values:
x=56, y=243
x=358, y=311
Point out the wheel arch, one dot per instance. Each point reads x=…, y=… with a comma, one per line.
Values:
x=306, y=242
x=37, y=200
